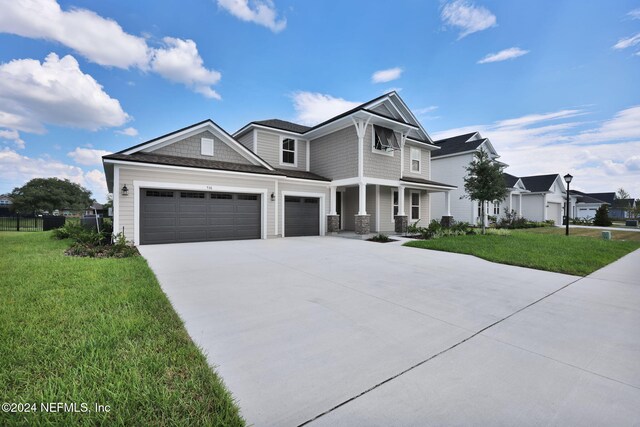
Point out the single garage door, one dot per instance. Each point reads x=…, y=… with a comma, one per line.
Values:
x=554, y=213
x=173, y=216
x=301, y=216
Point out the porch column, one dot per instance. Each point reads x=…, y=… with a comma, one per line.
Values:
x=447, y=201
x=333, y=220
x=520, y=205
x=362, y=199
x=401, y=201
x=401, y=220
x=333, y=200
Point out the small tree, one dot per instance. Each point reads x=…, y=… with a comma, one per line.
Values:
x=49, y=194
x=621, y=200
x=602, y=217
x=484, y=181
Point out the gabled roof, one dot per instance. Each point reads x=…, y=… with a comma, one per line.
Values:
x=510, y=180
x=283, y=125
x=539, y=183
x=605, y=197
x=364, y=107
x=457, y=144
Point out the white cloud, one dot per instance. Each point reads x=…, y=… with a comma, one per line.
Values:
x=18, y=169
x=627, y=42
x=128, y=131
x=467, y=17
x=55, y=91
x=98, y=39
x=602, y=156
x=87, y=156
x=634, y=14
x=503, y=55
x=384, y=76
x=425, y=110
x=104, y=42
x=180, y=62
x=261, y=12
x=313, y=108
x=12, y=135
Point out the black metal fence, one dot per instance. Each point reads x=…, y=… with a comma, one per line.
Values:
x=30, y=223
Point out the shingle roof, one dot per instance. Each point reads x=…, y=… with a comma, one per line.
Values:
x=456, y=144
x=426, y=181
x=510, y=180
x=605, y=197
x=210, y=164
x=283, y=124
x=538, y=183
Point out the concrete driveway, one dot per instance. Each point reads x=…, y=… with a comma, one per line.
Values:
x=332, y=331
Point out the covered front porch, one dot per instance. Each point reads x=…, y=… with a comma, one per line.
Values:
x=367, y=208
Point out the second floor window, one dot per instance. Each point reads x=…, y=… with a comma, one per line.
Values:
x=384, y=139
x=288, y=151
x=416, y=160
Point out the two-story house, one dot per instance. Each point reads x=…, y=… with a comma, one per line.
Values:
x=367, y=170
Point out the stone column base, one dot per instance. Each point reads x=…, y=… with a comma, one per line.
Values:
x=446, y=221
x=363, y=224
x=401, y=223
x=333, y=224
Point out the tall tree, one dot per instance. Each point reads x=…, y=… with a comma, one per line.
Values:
x=49, y=194
x=484, y=181
x=621, y=200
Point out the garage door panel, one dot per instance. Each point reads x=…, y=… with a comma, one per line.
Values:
x=178, y=216
x=302, y=216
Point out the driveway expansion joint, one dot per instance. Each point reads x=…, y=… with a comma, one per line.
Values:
x=351, y=399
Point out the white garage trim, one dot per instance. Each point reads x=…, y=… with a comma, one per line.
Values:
x=320, y=196
x=137, y=185
x=116, y=199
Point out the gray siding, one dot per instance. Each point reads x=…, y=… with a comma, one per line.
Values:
x=190, y=147
x=269, y=150
x=382, y=109
x=247, y=140
x=380, y=165
x=335, y=155
x=451, y=170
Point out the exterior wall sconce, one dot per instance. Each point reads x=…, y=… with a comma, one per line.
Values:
x=124, y=191
x=273, y=197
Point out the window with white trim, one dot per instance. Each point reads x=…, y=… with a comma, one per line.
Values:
x=394, y=205
x=415, y=206
x=206, y=146
x=496, y=208
x=416, y=160
x=384, y=140
x=288, y=151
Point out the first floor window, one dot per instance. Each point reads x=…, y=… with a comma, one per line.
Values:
x=289, y=151
x=496, y=208
x=479, y=209
x=415, y=205
x=394, y=209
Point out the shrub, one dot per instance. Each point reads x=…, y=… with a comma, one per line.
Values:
x=602, y=217
x=413, y=229
x=381, y=238
x=582, y=221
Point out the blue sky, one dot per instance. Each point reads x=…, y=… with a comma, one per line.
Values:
x=554, y=84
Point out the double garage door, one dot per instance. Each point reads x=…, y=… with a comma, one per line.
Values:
x=177, y=216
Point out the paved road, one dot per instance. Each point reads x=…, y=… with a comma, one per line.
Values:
x=334, y=331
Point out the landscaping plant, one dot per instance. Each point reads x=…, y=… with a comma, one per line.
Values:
x=602, y=217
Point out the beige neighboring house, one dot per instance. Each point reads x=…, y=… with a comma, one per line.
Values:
x=367, y=170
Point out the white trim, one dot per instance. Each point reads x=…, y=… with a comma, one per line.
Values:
x=321, y=209
x=267, y=128
x=411, y=205
x=295, y=152
x=377, y=208
x=308, y=155
x=362, y=199
x=342, y=193
x=205, y=150
x=422, y=144
x=116, y=199
x=137, y=185
x=394, y=191
x=275, y=216
x=412, y=151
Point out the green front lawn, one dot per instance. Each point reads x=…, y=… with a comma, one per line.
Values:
x=544, y=249
x=97, y=331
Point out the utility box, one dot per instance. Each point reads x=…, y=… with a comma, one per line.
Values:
x=606, y=235
x=631, y=223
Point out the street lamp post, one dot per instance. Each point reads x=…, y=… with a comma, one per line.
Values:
x=567, y=179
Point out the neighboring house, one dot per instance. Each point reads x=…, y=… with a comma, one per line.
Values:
x=545, y=199
x=366, y=170
x=6, y=205
x=622, y=208
x=585, y=205
x=96, y=208
x=449, y=165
